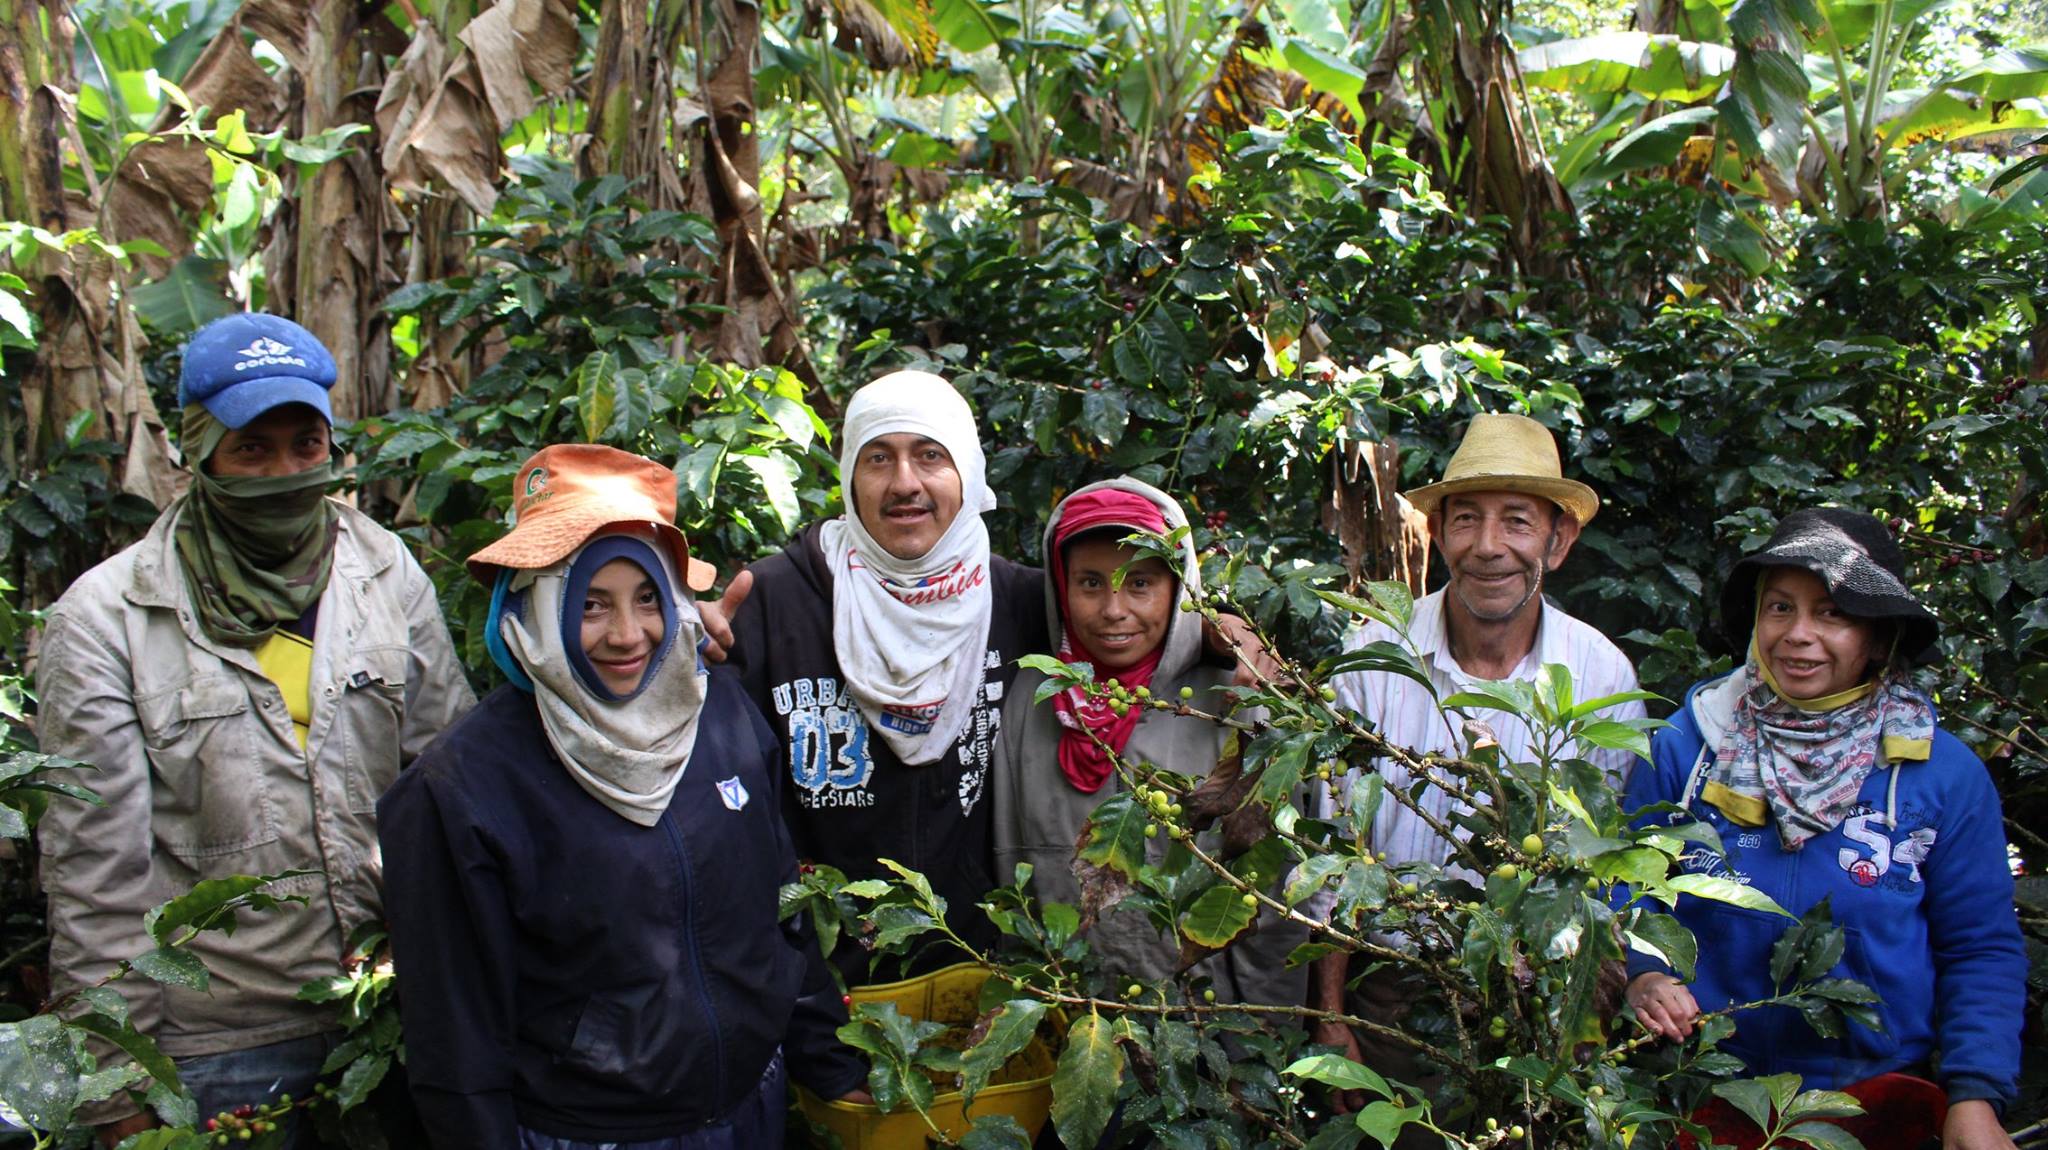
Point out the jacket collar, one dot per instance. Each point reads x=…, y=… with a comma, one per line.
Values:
x=158, y=581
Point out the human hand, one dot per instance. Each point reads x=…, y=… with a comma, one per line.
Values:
x=858, y=1097
x=1327, y=1033
x=1663, y=1005
x=112, y=1133
x=1973, y=1125
x=1255, y=664
x=718, y=615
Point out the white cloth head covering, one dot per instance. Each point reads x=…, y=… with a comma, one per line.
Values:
x=630, y=754
x=912, y=634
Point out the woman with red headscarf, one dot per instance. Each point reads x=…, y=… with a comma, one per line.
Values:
x=1053, y=765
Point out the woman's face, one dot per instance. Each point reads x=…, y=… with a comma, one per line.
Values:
x=1812, y=647
x=621, y=624
x=1121, y=625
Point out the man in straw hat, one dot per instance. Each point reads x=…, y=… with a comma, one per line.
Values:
x=1503, y=518
x=248, y=679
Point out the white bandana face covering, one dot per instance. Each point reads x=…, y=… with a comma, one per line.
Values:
x=629, y=754
x=911, y=634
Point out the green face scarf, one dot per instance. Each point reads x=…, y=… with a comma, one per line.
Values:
x=256, y=550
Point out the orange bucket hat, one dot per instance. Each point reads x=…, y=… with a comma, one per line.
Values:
x=569, y=492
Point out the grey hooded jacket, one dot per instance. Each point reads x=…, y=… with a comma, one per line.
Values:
x=1039, y=815
x=203, y=777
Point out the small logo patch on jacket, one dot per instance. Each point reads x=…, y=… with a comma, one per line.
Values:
x=733, y=792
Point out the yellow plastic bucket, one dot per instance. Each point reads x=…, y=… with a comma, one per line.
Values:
x=950, y=995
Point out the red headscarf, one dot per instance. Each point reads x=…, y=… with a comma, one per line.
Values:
x=1086, y=764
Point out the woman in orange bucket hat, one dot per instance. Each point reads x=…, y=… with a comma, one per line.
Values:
x=583, y=873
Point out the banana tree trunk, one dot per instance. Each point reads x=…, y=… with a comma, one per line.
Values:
x=760, y=323
x=327, y=257
x=632, y=116
x=35, y=47
x=88, y=355
x=1490, y=158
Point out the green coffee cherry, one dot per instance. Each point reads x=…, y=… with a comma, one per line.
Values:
x=1532, y=844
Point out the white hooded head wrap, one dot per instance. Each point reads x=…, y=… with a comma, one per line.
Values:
x=629, y=754
x=912, y=634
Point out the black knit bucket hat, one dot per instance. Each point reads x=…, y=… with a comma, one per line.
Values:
x=1855, y=555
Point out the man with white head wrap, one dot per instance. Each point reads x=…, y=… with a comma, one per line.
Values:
x=889, y=725
x=910, y=621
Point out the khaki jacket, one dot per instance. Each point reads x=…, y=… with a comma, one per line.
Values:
x=203, y=778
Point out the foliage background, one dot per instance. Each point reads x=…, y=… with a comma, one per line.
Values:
x=1741, y=257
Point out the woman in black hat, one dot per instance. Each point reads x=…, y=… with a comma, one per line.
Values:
x=1821, y=767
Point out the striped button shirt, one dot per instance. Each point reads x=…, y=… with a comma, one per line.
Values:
x=1403, y=713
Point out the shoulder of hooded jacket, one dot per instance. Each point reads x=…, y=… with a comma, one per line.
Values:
x=1956, y=769
x=1017, y=593
x=1676, y=746
x=487, y=744
x=1009, y=577
x=377, y=546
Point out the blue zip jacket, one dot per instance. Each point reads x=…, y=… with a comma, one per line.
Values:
x=567, y=971
x=1917, y=878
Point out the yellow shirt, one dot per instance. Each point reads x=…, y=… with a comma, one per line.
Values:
x=287, y=660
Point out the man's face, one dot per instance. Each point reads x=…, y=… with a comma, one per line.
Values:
x=285, y=440
x=906, y=492
x=1499, y=545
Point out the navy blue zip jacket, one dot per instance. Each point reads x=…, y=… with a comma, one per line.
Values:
x=568, y=971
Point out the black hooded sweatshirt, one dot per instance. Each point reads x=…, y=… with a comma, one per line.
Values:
x=848, y=799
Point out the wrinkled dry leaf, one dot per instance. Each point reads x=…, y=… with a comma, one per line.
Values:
x=227, y=77
x=286, y=24
x=865, y=32
x=495, y=45
x=455, y=139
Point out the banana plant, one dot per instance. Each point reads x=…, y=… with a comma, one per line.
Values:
x=1811, y=100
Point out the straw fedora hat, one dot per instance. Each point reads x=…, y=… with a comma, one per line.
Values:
x=571, y=491
x=1508, y=453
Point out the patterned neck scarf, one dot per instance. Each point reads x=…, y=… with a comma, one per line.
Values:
x=1803, y=762
x=1083, y=719
x=256, y=551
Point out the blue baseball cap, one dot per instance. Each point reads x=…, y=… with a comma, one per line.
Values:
x=240, y=366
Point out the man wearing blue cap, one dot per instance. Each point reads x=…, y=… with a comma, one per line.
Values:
x=248, y=679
